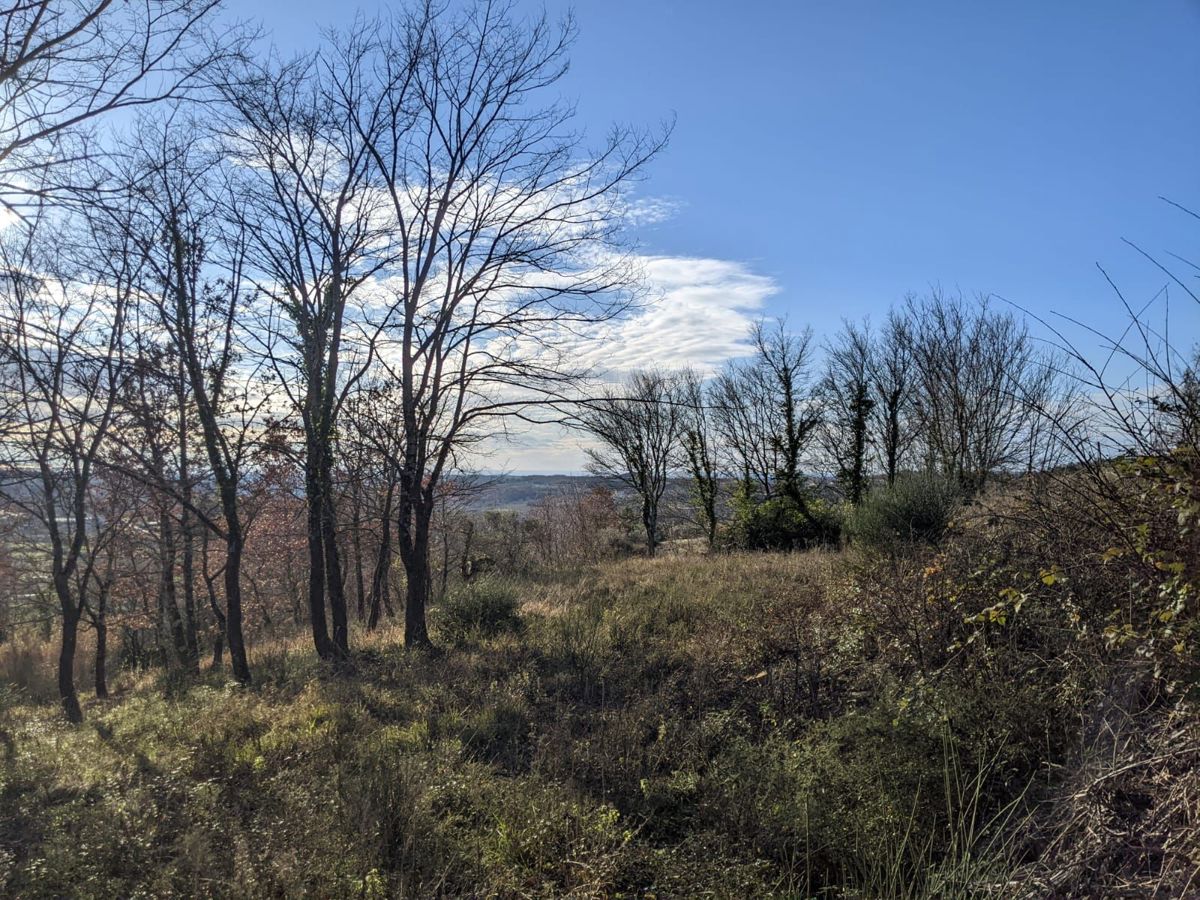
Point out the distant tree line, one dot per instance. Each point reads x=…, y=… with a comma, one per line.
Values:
x=948, y=387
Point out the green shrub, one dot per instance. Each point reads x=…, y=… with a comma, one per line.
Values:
x=783, y=523
x=916, y=509
x=498, y=733
x=484, y=608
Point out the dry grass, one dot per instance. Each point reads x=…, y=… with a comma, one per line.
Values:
x=29, y=663
x=736, y=724
x=1126, y=822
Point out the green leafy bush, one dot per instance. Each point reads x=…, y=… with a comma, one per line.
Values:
x=916, y=509
x=484, y=608
x=783, y=523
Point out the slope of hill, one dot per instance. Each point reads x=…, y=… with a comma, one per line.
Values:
x=951, y=721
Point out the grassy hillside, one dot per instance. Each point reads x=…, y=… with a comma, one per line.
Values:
x=940, y=722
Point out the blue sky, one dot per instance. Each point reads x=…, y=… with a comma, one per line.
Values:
x=836, y=155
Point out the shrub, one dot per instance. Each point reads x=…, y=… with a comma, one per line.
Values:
x=483, y=608
x=782, y=523
x=916, y=509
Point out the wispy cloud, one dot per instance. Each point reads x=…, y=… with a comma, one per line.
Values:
x=651, y=210
x=698, y=313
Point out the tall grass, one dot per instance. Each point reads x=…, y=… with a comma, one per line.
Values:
x=973, y=853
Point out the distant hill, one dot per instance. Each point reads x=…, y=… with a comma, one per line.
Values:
x=518, y=492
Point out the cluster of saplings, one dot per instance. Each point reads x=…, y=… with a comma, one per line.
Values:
x=876, y=441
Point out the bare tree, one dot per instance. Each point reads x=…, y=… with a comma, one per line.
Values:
x=373, y=416
x=785, y=358
x=64, y=64
x=745, y=414
x=61, y=365
x=506, y=234
x=849, y=404
x=111, y=504
x=698, y=445
x=146, y=422
x=193, y=305
x=980, y=381
x=304, y=197
x=639, y=427
x=892, y=383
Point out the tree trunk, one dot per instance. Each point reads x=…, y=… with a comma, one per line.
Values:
x=188, y=573
x=383, y=563
x=893, y=439
x=219, y=637
x=233, y=605
x=360, y=584
x=379, y=580
x=218, y=651
x=224, y=467
x=66, y=657
x=187, y=533
x=650, y=522
x=444, y=579
x=218, y=616
x=316, y=559
x=416, y=567
x=333, y=568
x=415, y=632
x=101, y=623
x=168, y=603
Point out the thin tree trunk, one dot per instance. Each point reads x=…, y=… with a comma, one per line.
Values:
x=379, y=580
x=360, y=585
x=218, y=650
x=233, y=603
x=66, y=653
x=380, y=584
x=333, y=568
x=168, y=603
x=101, y=623
x=224, y=469
x=186, y=531
x=445, y=574
x=415, y=553
x=325, y=412
x=188, y=574
x=316, y=557
x=210, y=588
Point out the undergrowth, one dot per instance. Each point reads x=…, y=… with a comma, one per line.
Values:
x=757, y=725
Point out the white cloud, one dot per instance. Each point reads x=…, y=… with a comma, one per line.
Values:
x=651, y=210
x=699, y=313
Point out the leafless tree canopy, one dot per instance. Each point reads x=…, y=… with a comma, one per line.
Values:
x=849, y=403
x=637, y=426
x=64, y=64
x=505, y=233
x=980, y=381
x=61, y=360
